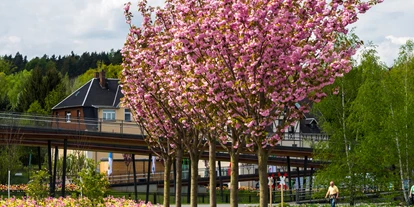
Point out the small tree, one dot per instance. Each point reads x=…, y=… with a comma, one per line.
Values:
x=93, y=184
x=75, y=162
x=127, y=161
x=10, y=153
x=38, y=186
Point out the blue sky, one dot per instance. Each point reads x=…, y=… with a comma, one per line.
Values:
x=35, y=28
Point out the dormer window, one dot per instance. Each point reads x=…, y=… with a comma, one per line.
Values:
x=311, y=122
x=108, y=115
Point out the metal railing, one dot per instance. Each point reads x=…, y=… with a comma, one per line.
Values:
x=77, y=124
x=302, y=139
x=293, y=139
x=159, y=176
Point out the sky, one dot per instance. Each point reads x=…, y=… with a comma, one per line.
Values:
x=35, y=28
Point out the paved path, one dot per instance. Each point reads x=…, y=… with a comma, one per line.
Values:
x=256, y=205
x=220, y=205
x=240, y=205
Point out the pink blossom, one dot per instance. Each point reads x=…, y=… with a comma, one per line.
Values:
x=195, y=64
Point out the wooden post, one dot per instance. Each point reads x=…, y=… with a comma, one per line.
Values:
x=65, y=149
x=270, y=194
x=49, y=159
x=54, y=171
x=282, y=185
x=270, y=183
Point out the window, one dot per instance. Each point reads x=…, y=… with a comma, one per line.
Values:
x=78, y=113
x=291, y=129
x=108, y=114
x=67, y=116
x=128, y=115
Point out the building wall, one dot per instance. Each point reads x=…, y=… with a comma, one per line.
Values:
x=119, y=125
x=103, y=156
x=141, y=167
x=74, y=122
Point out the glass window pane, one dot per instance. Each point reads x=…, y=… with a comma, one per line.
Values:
x=108, y=114
x=127, y=115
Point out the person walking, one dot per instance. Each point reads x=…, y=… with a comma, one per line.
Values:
x=411, y=194
x=333, y=193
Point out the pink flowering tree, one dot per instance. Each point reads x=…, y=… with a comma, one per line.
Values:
x=145, y=96
x=157, y=137
x=246, y=63
x=153, y=89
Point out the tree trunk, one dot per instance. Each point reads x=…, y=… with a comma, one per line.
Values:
x=234, y=180
x=179, y=178
x=167, y=172
x=353, y=191
x=397, y=142
x=212, y=173
x=194, y=180
x=263, y=156
x=346, y=145
x=406, y=125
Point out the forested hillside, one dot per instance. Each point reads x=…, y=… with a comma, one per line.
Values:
x=38, y=84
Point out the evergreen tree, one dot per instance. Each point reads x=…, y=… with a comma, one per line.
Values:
x=19, y=62
x=33, y=90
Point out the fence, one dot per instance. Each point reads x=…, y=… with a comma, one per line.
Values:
x=77, y=124
x=159, y=176
x=293, y=139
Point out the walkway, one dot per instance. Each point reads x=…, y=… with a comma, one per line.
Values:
x=111, y=136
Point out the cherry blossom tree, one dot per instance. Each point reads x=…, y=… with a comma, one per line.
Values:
x=238, y=64
x=152, y=90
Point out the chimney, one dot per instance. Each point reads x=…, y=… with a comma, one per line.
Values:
x=102, y=79
x=96, y=74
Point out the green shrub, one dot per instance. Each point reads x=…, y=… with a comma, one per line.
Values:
x=92, y=184
x=38, y=186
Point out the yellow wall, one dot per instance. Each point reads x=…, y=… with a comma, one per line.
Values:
x=120, y=125
x=119, y=167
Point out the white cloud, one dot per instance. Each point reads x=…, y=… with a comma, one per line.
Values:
x=51, y=27
x=98, y=15
x=398, y=40
x=14, y=39
x=387, y=26
x=59, y=27
x=388, y=52
x=9, y=39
